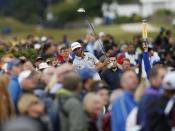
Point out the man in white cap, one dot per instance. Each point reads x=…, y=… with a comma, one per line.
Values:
x=162, y=116
x=85, y=59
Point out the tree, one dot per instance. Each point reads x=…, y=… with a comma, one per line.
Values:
x=30, y=11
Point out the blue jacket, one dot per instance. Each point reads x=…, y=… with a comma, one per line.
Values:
x=121, y=108
x=146, y=63
x=14, y=89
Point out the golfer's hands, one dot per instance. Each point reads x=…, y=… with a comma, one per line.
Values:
x=106, y=61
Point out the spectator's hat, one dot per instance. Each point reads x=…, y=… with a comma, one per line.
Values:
x=43, y=65
x=38, y=58
x=169, y=81
x=87, y=73
x=75, y=45
x=23, y=75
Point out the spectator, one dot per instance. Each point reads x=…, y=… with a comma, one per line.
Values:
x=163, y=115
x=101, y=89
x=159, y=39
x=88, y=77
x=112, y=75
x=38, y=61
x=72, y=117
x=14, y=68
x=126, y=64
x=93, y=107
x=6, y=106
x=63, y=57
x=123, y=104
x=132, y=55
x=57, y=79
x=90, y=44
x=108, y=51
x=150, y=95
x=30, y=106
x=28, y=81
x=48, y=73
x=167, y=41
x=48, y=51
x=22, y=123
x=43, y=66
x=150, y=57
x=98, y=45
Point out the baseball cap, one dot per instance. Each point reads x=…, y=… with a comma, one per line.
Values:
x=101, y=34
x=43, y=65
x=39, y=58
x=86, y=73
x=23, y=75
x=169, y=81
x=12, y=63
x=75, y=45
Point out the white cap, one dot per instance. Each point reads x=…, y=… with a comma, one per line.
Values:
x=75, y=45
x=37, y=46
x=43, y=38
x=169, y=81
x=23, y=75
x=5, y=67
x=101, y=34
x=43, y=65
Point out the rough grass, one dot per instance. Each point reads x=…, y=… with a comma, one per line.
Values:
x=21, y=30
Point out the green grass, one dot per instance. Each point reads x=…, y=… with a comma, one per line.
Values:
x=21, y=30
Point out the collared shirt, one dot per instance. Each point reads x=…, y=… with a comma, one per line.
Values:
x=89, y=60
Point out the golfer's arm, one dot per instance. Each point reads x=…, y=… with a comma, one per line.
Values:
x=100, y=66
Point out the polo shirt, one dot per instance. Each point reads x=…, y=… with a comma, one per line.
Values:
x=89, y=60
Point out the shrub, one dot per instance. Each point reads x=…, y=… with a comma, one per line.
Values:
x=125, y=19
x=65, y=12
x=163, y=12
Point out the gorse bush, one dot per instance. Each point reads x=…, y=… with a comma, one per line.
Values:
x=125, y=19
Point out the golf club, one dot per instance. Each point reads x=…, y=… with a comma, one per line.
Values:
x=82, y=11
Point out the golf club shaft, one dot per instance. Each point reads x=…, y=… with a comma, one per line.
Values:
x=93, y=30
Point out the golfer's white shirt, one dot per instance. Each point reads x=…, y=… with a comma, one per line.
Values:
x=89, y=60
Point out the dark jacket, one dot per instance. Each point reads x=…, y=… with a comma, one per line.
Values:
x=92, y=125
x=112, y=78
x=157, y=120
x=145, y=106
